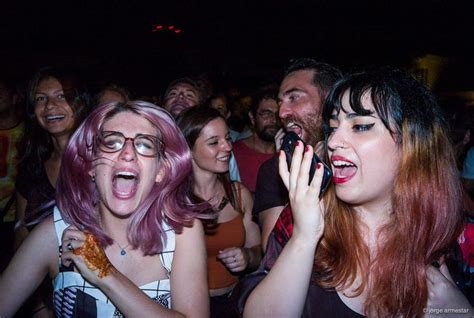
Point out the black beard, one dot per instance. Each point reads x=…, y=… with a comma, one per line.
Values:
x=265, y=135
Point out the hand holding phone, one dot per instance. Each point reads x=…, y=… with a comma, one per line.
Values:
x=288, y=146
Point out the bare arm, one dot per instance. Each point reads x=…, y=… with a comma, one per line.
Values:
x=252, y=233
x=190, y=294
x=28, y=268
x=295, y=263
x=189, y=291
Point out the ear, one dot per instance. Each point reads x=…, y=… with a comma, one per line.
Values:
x=91, y=173
x=252, y=119
x=160, y=175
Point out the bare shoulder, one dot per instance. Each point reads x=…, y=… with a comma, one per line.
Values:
x=188, y=233
x=244, y=191
x=45, y=232
x=43, y=237
x=39, y=249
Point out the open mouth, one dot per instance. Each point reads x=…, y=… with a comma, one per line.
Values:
x=224, y=158
x=55, y=117
x=343, y=170
x=125, y=184
x=294, y=127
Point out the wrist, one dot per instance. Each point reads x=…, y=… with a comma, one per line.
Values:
x=106, y=282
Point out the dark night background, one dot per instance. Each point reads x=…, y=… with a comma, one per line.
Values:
x=233, y=41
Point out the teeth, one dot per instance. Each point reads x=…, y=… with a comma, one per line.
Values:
x=125, y=174
x=339, y=163
x=291, y=125
x=53, y=117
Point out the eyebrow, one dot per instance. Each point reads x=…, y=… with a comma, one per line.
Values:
x=351, y=115
x=292, y=90
x=54, y=92
x=212, y=137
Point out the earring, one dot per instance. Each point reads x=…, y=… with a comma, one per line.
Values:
x=93, y=179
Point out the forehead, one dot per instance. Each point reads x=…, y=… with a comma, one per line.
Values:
x=48, y=83
x=365, y=101
x=268, y=103
x=130, y=124
x=297, y=79
x=215, y=127
x=183, y=87
x=112, y=96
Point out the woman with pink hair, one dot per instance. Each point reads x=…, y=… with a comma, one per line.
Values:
x=124, y=229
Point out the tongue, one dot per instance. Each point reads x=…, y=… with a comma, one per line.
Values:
x=123, y=185
x=345, y=171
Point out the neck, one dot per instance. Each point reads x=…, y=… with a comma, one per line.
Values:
x=59, y=143
x=260, y=145
x=372, y=219
x=206, y=185
x=115, y=227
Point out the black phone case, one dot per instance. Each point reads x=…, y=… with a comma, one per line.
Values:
x=288, y=146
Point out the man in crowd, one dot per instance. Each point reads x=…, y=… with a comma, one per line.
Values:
x=302, y=93
x=252, y=151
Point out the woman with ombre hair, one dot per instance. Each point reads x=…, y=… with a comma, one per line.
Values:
x=374, y=245
x=124, y=239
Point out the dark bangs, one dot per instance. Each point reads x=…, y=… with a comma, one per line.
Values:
x=384, y=97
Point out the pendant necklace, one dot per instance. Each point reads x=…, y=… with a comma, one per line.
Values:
x=122, y=249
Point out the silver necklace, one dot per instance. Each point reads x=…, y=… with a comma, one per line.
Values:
x=122, y=249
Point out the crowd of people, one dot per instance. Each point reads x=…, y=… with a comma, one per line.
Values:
x=119, y=205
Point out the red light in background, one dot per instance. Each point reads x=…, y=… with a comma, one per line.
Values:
x=164, y=27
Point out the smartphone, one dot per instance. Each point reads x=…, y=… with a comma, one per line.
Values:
x=288, y=146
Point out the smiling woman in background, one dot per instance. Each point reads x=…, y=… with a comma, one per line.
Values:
x=56, y=103
x=233, y=241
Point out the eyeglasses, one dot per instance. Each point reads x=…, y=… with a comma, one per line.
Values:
x=114, y=141
x=266, y=114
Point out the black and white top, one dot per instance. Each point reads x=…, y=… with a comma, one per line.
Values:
x=75, y=297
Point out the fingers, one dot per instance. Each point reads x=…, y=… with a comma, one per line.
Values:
x=444, y=270
x=303, y=172
x=279, y=138
x=315, y=185
x=296, y=165
x=234, y=259
x=72, y=240
x=435, y=276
